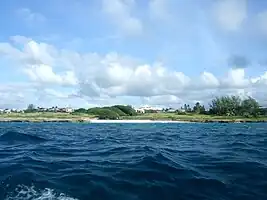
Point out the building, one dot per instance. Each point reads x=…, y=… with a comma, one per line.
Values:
x=55, y=109
x=7, y=111
x=66, y=110
x=140, y=110
x=171, y=110
x=145, y=109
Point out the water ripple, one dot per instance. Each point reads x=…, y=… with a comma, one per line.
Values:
x=64, y=161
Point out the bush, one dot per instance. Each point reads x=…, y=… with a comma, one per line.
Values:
x=80, y=110
x=103, y=113
x=128, y=110
x=234, y=106
x=117, y=110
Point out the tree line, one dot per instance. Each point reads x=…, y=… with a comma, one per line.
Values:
x=219, y=106
x=231, y=106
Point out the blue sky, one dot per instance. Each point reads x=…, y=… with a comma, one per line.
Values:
x=157, y=52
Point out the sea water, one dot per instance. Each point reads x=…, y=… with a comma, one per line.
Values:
x=67, y=161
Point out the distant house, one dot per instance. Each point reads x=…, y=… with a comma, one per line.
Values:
x=145, y=109
x=55, y=109
x=40, y=109
x=171, y=110
x=69, y=110
x=65, y=110
x=139, y=110
x=7, y=111
x=51, y=109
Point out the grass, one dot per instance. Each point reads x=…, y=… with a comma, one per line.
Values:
x=44, y=115
x=148, y=116
x=193, y=117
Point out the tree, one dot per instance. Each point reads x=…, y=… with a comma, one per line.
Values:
x=128, y=110
x=30, y=108
x=250, y=107
x=196, y=108
x=117, y=110
x=263, y=111
x=199, y=109
x=80, y=110
x=234, y=106
x=187, y=108
x=103, y=113
x=226, y=105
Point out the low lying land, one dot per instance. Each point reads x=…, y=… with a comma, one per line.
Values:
x=164, y=117
x=197, y=118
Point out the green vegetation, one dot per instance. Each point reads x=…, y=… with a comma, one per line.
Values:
x=199, y=109
x=39, y=116
x=222, y=109
x=113, y=112
x=234, y=106
x=30, y=109
x=192, y=117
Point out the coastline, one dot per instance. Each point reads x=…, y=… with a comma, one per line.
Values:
x=95, y=120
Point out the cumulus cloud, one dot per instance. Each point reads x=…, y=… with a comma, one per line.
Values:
x=106, y=78
x=159, y=9
x=120, y=12
x=236, y=79
x=238, y=61
x=45, y=74
x=30, y=17
x=164, y=101
x=230, y=14
x=15, y=95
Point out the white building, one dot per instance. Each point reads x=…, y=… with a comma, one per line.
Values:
x=140, y=110
x=146, y=108
x=7, y=111
x=69, y=110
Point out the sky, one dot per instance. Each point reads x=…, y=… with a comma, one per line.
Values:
x=85, y=53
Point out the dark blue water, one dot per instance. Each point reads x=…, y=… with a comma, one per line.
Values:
x=133, y=161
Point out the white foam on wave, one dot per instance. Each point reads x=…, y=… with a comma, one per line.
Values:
x=23, y=192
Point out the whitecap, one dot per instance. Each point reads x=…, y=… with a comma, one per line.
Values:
x=23, y=192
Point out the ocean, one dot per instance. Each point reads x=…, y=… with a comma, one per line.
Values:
x=77, y=161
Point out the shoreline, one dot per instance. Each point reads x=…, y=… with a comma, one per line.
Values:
x=95, y=120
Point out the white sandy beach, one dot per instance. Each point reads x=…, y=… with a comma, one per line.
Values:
x=134, y=121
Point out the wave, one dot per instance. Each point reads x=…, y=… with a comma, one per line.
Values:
x=23, y=192
x=74, y=161
x=17, y=137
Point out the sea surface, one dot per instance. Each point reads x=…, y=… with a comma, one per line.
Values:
x=67, y=161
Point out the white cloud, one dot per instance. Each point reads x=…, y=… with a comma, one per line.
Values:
x=107, y=78
x=18, y=39
x=209, y=79
x=15, y=95
x=230, y=14
x=120, y=12
x=236, y=78
x=262, y=21
x=158, y=9
x=164, y=100
x=45, y=74
x=261, y=79
x=30, y=17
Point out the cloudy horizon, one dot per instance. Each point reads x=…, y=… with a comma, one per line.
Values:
x=161, y=52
